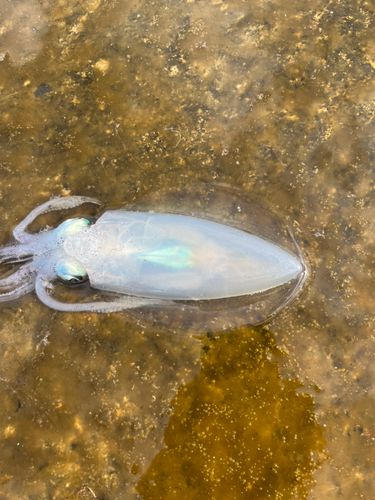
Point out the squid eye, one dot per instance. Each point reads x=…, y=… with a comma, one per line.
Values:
x=70, y=271
x=71, y=226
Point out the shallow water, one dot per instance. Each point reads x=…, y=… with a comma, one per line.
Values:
x=117, y=100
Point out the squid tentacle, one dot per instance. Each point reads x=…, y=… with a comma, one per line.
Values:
x=16, y=253
x=49, y=206
x=119, y=304
x=26, y=286
x=21, y=275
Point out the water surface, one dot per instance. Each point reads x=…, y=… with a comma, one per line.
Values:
x=117, y=100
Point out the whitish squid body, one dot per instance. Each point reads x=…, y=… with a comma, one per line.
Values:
x=146, y=258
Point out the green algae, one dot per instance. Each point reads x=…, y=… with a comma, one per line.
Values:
x=238, y=430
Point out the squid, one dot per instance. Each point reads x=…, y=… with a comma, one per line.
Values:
x=144, y=259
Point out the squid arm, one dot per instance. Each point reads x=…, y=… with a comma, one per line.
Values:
x=19, y=231
x=14, y=254
x=43, y=283
x=25, y=286
x=19, y=283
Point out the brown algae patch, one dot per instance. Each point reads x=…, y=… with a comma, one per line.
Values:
x=238, y=430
